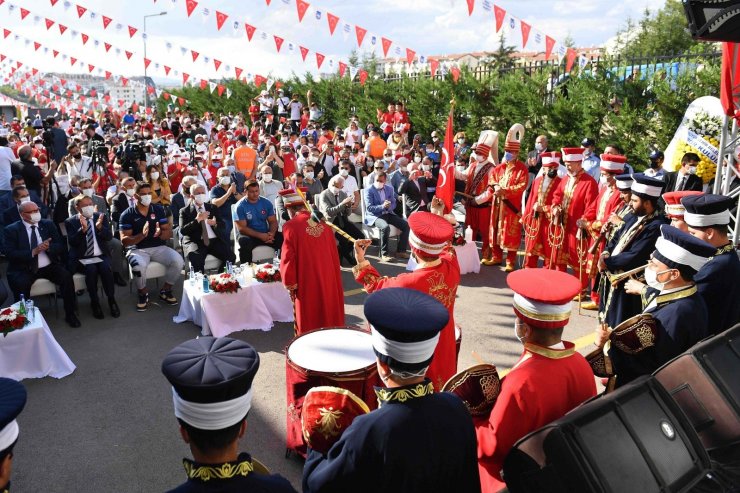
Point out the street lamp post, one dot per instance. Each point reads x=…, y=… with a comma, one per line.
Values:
x=146, y=86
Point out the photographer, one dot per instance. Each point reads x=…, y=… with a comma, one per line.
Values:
x=55, y=139
x=132, y=157
x=93, y=139
x=75, y=164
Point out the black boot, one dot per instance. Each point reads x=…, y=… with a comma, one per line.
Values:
x=114, y=310
x=97, y=311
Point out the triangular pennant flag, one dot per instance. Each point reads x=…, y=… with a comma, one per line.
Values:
x=228, y=92
x=36, y=71
x=250, y=31
x=107, y=74
x=259, y=80
x=304, y=52
x=221, y=89
x=278, y=42
x=269, y=83
x=433, y=66
x=569, y=59
x=81, y=11
x=181, y=101
x=342, y=68
x=131, y=31
x=36, y=45
x=62, y=28
x=49, y=23
x=6, y=33
x=166, y=70
x=455, y=73
x=386, y=45
x=217, y=64
x=319, y=60
x=238, y=72
x=72, y=60
x=106, y=21
x=85, y=38
x=54, y=2
x=124, y=81
x=220, y=19
x=360, y=32
x=302, y=7
x=352, y=72
x=471, y=4
x=267, y=2
x=24, y=13
x=194, y=54
x=549, y=44
x=525, y=33
x=203, y=83
x=333, y=20
x=190, y=6
x=55, y=53
x=128, y=55
x=500, y=14
x=363, y=77
x=410, y=54
x=147, y=62
x=107, y=46
x=90, y=67
x=185, y=78
x=166, y=95
x=212, y=86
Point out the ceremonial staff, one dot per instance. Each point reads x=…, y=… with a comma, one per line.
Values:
x=316, y=217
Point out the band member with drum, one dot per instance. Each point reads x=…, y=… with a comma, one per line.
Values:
x=437, y=274
x=509, y=180
x=679, y=312
x=550, y=378
x=607, y=202
x=630, y=249
x=537, y=213
x=12, y=401
x=309, y=267
x=212, y=392
x=417, y=441
x=573, y=207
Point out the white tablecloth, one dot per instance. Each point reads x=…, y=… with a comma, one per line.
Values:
x=467, y=258
x=32, y=352
x=254, y=307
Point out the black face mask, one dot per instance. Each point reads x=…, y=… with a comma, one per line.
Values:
x=77, y=156
x=552, y=173
x=304, y=154
x=654, y=164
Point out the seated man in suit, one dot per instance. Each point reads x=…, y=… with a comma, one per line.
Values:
x=684, y=178
x=88, y=233
x=34, y=250
x=121, y=202
x=336, y=207
x=114, y=246
x=203, y=231
x=414, y=191
x=180, y=200
x=380, y=203
x=7, y=200
x=11, y=214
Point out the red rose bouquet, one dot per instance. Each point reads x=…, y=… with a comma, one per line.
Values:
x=267, y=273
x=458, y=239
x=223, y=283
x=10, y=320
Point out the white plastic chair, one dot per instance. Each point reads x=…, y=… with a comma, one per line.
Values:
x=154, y=270
x=372, y=232
x=44, y=287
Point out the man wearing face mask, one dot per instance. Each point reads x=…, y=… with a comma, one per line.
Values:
x=380, y=204
x=144, y=231
x=550, y=378
x=336, y=207
x=679, y=312
x=88, y=233
x=34, y=250
x=203, y=231
x=538, y=212
x=310, y=182
x=269, y=186
x=591, y=160
x=123, y=201
x=25, y=167
x=222, y=197
x=630, y=248
x=684, y=178
x=75, y=164
x=534, y=158
x=656, y=165
x=462, y=148
x=12, y=214
x=400, y=174
x=350, y=188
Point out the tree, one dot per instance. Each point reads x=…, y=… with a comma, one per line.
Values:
x=663, y=33
x=501, y=58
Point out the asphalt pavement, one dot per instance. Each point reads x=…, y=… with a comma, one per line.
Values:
x=109, y=427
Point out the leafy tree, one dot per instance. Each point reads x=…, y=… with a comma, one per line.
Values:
x=656, y=35
x=502, y=57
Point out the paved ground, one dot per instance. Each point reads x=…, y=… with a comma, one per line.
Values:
x=109, y=426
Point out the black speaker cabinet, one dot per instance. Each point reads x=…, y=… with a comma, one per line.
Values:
x=713, y=20
x=635, y=439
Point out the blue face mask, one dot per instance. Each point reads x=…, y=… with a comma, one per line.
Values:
x=508, y=156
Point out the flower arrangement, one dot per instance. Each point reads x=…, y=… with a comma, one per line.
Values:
x=707, y=129
x=11, y=320
x=223, y=283
x=458, y=239
x=267, y=273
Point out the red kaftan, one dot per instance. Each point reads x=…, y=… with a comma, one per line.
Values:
x=439, y=281
x=309, y=263
x=539, y=244
x=577, y=198
x=544, y=385
x=506, y=230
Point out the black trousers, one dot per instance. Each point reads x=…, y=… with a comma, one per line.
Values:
x=197, y=254
x=248, y=243
x=20, y=284
x=346, y=247
x=102, y=270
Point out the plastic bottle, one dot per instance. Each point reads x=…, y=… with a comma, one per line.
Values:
x=22, y=305
x=206, y=288
x=191, y=276
x=468, y=234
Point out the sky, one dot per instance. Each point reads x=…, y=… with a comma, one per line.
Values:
x=428, y=27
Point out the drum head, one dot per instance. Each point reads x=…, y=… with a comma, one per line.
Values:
x=332, y=350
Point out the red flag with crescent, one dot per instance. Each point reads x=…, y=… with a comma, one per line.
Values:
x=446, y=179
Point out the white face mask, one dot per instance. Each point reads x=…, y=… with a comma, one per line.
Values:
x=461, y=141
x=379, y=185
x=462, y=169
x=225, y=180
x=88, y=210
x=538, y=147
x=25, y=199
x=145, y=200
x=651, y=278
x=201, y=198
x=692, y=170
x=267, y=178
x=130, y=192
x=480, y=158
x=154, y=175
x=35, y=218
x=334, y=189
x=603, y=180
x=344, y=172
x=417, y=159
x=308, y=175
x=87, y=192
x=426, y=167
x=232, y=169
x=516, y=333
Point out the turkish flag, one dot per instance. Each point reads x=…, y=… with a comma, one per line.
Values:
x=360, y=32
x=250, y=31
x=549, y=43
x=499, y=13
x=446, y=179
x=730, y=82
x=332, y=19
x=386, y=45
x=220, y=19
x=302, y=8
x=304, y=52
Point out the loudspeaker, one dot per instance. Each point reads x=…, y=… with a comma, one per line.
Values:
x=635, y=439
x=713, y=20
x=705, y=384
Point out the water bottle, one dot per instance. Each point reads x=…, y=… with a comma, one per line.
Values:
x=468, y=234
x=22, y=305
x=191, y=276
x=206, y=288
x=276, y=259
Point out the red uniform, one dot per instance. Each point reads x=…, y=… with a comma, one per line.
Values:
x=478, y=216
x=576, y=197
x=439, y=281
x=505, y=228
x=537, y=243
x=609, y=201
x=545, y=384
x=309, y=267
